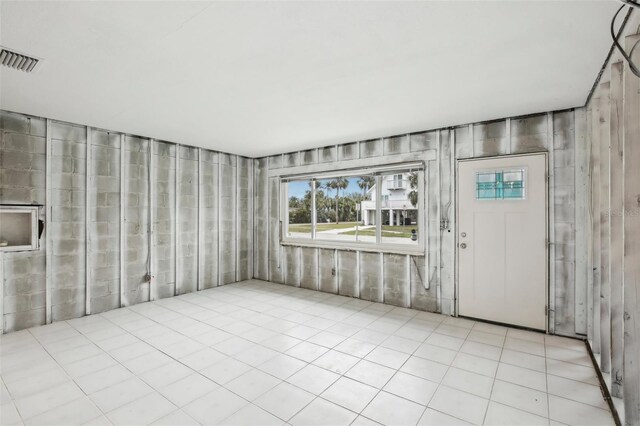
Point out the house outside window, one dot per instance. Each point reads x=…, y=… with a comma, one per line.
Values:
x=398, y=210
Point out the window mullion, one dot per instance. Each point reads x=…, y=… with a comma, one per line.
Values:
x=284, y=208
x=314, y=217
x=378, y=209
x=422, y=209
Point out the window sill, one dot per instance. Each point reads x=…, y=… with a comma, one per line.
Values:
x=25, y=247
x=351, y=246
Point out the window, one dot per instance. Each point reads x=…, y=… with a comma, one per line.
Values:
x=374, y=208
x=500, y=185
x=299, y=206
x=400, y=224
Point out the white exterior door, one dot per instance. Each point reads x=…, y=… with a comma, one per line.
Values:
x=502, y=234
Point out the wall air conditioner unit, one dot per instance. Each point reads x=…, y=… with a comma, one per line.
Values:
x=19, y=228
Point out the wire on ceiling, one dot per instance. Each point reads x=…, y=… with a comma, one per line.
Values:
x=632, y=3
x=627, y=56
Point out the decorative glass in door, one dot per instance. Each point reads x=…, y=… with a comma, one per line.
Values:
x=500, y=185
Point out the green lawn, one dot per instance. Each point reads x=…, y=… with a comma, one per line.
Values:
x=385, y=234
x=403, y=229
x=306, y=227
x=387, y=231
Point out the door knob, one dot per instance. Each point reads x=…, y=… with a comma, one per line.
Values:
x=463, y=245
x=464, y=234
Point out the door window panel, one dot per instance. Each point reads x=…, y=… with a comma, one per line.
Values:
x=500, y=185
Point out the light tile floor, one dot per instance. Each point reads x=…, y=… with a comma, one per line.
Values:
x=257, y=353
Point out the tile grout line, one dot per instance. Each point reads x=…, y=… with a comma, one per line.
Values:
x=273, y=307
x=219, y=384
x=484, y=418
x=308, y=363
x=66, y=374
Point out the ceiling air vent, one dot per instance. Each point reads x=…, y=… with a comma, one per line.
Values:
x=17, y=61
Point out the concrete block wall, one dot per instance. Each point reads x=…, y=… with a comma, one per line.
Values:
x=130, y=215
x=428, y=282
x=238, y=205
x=163, y=181
x=564, y=227
x=292, y=265
x=388, y=278
x=309, y=267
x=67, y=222
x=210, y=207
x=187, y=225
x=227, y=218
x=443, y=295
x=327, y=263
x=607, y=156
x=136, y=198
x=104, y=221
x=370, y=279
x=22, y=181
x=396, y=288
x=347, y=271
x=244, y=203
x=275, y=256
x=261, y=250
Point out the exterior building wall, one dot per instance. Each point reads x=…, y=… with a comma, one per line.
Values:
x=394, y=200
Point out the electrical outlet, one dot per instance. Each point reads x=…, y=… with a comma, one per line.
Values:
x=333, y=272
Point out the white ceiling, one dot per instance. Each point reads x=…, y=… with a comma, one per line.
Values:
x=270, y=77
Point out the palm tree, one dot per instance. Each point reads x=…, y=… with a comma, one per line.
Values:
x=413, y=184
x=338, y=184
x=318, y=184
x=365, y=183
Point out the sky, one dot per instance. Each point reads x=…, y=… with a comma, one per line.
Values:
x=298, y=188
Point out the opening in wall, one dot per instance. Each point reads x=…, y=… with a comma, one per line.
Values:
x=378, y=209
x=19, y=228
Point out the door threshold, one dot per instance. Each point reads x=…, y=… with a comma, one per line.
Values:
x=503, y=324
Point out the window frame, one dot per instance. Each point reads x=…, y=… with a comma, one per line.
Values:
x=33, y=212
x=379, y=172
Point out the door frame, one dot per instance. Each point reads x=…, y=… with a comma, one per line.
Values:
x=456, y=269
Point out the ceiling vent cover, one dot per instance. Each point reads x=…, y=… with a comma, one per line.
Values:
x=17, y=61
